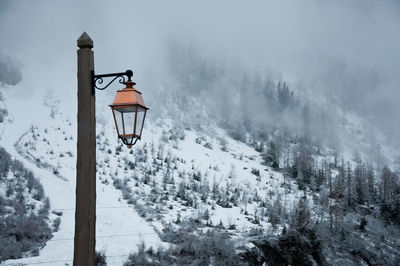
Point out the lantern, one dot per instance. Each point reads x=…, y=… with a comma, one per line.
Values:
x=129, y=113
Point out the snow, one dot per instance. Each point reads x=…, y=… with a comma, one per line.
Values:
x=119, y=228
x=48, y=134
x=41, y=126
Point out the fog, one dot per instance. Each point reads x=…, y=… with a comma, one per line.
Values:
x=346, y=50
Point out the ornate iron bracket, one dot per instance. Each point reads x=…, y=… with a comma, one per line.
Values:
x=98, y=79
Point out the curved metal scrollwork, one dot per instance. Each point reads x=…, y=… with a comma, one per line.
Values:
x=129, y=143
x=98, y=79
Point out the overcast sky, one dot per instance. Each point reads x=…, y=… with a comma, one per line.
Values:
x=347, y=47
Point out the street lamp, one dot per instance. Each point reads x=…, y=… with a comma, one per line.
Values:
x=128, y=108
x=129, y=112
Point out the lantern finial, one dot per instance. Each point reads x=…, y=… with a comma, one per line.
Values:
x=129, y=84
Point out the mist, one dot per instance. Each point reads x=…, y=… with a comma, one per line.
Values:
x=347, y=51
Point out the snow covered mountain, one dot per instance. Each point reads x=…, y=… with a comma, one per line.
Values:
x=177, y=158
x=175, y=183
x=272, y=136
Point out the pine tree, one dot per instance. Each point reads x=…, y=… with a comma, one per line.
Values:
x=349, y=184
x=272, y=156
x=301, y=215
x=371, y=184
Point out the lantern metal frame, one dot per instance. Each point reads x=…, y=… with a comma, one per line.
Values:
x=97, y=80
x=134, y=136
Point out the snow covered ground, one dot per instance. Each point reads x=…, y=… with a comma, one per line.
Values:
x=119, y=229
x=40, y=131
x=43, y=137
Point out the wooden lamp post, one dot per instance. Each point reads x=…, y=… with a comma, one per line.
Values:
x=129, y=112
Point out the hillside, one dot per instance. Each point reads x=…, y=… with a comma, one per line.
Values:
x=272, y=138
x=181, y=182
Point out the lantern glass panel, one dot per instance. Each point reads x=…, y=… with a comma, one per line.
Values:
x=118, y=121
x=129, y=122
x=139, y=120
x=125, y=120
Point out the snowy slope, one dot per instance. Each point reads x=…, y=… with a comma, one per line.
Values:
x=119, y=228
x=45, y=141
x=225, y=180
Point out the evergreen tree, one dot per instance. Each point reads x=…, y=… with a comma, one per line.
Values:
x=272, y=155
x=301, y=216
